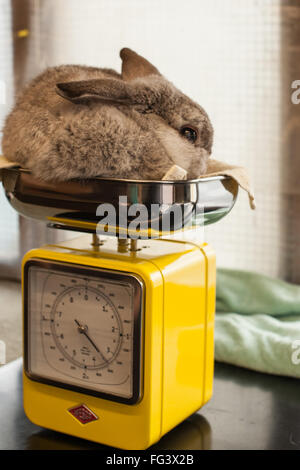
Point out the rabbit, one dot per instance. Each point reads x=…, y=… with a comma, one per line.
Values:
x=77, y=121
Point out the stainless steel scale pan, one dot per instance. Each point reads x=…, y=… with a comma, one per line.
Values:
x=73, y=204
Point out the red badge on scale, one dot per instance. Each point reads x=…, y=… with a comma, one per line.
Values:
x=83, y=414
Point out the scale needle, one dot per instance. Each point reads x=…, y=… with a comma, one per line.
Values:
x=83, y=330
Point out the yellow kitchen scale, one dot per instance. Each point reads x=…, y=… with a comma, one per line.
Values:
x=118, y=332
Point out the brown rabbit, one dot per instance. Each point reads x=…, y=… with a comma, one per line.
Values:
x=78, y=122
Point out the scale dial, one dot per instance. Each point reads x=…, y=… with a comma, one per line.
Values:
x=83, y=329
x=89, y=307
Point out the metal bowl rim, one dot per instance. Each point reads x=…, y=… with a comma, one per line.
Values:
x=129, y=181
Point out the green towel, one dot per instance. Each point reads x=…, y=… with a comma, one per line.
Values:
x=258, y=322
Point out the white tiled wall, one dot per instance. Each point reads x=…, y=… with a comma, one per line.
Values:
x=8, y=218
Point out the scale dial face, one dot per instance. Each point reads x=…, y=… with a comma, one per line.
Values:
x=83, y=329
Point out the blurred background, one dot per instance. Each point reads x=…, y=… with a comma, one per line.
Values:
x=237, y=59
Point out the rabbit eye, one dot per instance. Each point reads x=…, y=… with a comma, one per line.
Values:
x=189, y=133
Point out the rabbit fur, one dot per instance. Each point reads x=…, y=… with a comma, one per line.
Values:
x=77, y=121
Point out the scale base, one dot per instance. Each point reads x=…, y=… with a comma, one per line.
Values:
x=177, y=343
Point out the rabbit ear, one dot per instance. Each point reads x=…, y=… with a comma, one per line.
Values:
x=135, y=66
x=106, y=89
